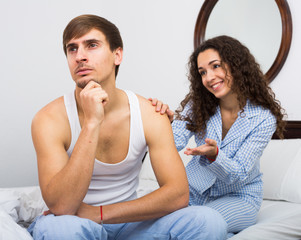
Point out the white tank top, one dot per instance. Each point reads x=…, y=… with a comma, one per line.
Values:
x=112, y=183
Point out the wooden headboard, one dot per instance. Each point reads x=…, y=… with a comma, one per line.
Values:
x=293, y=130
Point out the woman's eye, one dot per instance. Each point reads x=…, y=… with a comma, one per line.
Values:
x=216, y=65
x=202, y=73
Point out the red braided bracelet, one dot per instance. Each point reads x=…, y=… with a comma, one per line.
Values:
x=101, y=218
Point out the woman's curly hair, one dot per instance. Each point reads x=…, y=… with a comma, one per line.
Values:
x=248, y=83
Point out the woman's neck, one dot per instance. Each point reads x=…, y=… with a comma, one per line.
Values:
x=230, y=104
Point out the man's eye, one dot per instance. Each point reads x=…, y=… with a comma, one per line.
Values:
x=72, y=49
x=93, y=45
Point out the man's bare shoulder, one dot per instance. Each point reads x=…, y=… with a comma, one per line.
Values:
x=156, y=126
x=52, y=120
x=51, y=124
x=157, y=131
x=148, y=110
x=53, y=111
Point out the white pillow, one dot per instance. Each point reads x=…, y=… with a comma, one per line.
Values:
x=281, y=168
x=276, y=220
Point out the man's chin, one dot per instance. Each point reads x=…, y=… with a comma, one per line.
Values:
x=83, y=84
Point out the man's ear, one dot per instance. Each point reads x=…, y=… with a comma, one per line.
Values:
x=118, y=55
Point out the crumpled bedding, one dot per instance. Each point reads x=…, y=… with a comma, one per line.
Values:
x=18, y=208
x=10, y=230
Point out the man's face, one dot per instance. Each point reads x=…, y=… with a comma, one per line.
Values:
x=90, y=59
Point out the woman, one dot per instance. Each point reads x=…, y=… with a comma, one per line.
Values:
x=232, y=113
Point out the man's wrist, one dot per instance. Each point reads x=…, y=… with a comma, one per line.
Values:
x=91, y=125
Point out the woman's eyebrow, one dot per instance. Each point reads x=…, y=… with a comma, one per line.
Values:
x=215, y=60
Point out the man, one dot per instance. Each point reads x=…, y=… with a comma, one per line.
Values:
x=90, y=145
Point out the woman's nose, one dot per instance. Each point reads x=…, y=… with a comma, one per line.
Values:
x=209, y=76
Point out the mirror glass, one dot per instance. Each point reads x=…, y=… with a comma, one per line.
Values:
x=256, y=23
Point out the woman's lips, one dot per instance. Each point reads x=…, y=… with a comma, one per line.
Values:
x=216, y=85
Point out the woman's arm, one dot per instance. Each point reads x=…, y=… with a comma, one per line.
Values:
x=238, y=168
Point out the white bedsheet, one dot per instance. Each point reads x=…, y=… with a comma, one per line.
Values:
x=10, y=230
x=277, y=220
x=18, y=208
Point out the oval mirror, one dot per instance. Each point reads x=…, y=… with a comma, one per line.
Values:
x=265, y=30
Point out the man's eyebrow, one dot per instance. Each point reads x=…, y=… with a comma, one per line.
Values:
x=215, y=60
x=70, y=45
x=87, y=42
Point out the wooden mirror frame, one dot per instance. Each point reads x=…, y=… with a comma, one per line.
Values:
x=287, y=31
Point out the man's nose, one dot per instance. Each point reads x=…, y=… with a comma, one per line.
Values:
x=81, y=55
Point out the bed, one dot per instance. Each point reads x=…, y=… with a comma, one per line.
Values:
x=279, y=216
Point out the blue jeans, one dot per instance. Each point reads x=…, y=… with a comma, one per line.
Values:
x=195, y=222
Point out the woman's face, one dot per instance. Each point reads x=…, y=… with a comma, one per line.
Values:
x=214, y=77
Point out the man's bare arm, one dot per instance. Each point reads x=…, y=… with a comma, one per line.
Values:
x=173, y=193
x=64, y=181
